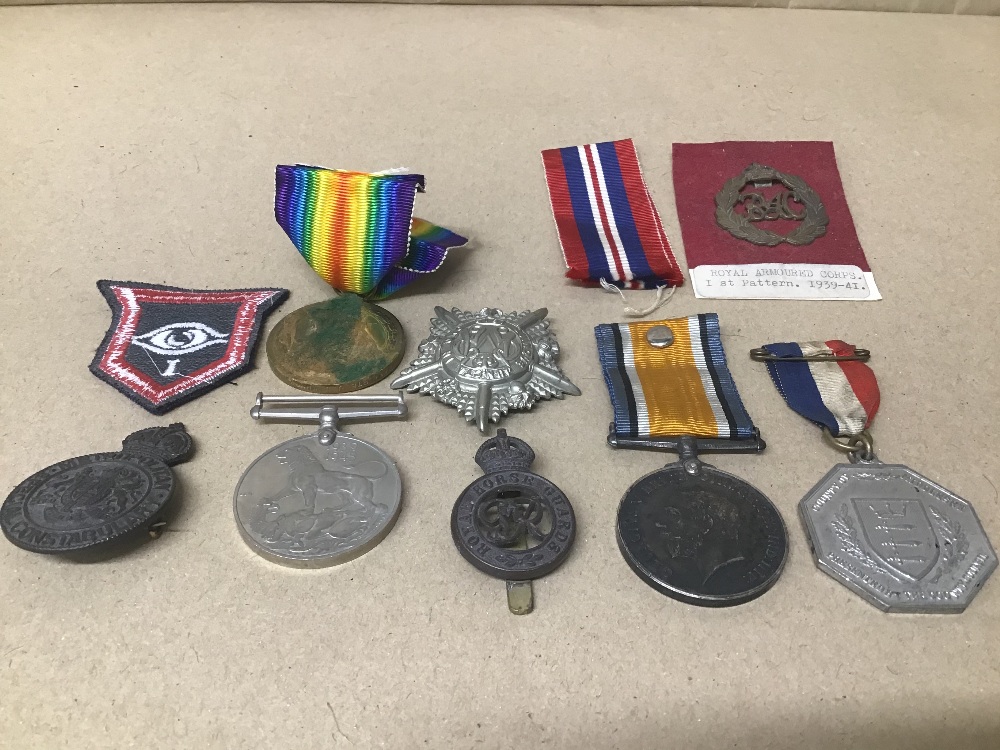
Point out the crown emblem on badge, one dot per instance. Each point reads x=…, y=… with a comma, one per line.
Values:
x=504, y=453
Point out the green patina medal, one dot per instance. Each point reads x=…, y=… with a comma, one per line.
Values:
x=340, y=345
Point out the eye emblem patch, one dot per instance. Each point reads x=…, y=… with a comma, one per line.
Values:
x=167, y=345
x=180, y=338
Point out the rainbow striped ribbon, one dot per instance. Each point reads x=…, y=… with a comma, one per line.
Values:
x=357, y=229
x=682, y=389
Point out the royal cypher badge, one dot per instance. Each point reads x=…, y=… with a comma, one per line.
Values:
x=167, y=345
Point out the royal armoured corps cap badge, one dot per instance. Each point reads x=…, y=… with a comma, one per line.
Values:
x=794, y=201
x=487, y=363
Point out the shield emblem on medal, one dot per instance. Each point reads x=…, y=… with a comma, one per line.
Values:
x=900, y=533
x=167, y=345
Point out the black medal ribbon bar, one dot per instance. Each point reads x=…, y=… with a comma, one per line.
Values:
x=686, y=444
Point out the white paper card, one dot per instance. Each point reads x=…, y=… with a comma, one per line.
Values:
x=784, y=281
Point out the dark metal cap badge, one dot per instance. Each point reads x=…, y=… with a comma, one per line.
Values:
x=513, y=524
x=796, y=201
x=88, y=501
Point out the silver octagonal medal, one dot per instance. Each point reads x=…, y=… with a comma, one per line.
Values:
x=320, y=499
x=901, y=541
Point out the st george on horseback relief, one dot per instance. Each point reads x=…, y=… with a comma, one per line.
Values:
x=320, y=509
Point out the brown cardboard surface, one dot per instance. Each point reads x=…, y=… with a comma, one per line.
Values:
x=139, y=143
x=965, y=7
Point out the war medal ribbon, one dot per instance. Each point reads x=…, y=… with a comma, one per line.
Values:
x=609, y=229
x=681, y=389
x=901, y=541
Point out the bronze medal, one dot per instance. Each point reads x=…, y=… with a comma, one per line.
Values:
x=340, y=345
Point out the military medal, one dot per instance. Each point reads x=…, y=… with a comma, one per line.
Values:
x=320, y=499
x=342, y=344
x=513, y=524
x=92, y=500
x=487, y=363
x=689, y=530
x=358, y=232
x=898, y=539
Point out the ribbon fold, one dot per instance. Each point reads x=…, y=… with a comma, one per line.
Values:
x=357, y=229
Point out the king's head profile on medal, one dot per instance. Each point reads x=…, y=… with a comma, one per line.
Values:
x=689, y=530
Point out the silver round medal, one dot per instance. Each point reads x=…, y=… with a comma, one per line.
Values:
x=307, y=504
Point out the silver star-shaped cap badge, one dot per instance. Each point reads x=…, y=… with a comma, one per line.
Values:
x=488, y=362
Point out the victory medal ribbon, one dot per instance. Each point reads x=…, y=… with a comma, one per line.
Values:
x=357, y=230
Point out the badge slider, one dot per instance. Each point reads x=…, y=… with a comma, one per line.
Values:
x=328, y=411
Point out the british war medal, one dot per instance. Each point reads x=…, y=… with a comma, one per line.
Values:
x=320, y=499
x=167, y=345
x=357, y=231
x=513, y=524
x=89, y=501
x=689, y=530
x=898, y=539
x=488, y=362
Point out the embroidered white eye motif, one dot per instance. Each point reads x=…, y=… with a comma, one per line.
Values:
x=180, y=338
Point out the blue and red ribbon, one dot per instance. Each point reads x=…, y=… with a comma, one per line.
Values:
x=608, y=227
x=842, y=396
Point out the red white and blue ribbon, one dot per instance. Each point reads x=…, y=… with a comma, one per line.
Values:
x=608, y=227
x=842, y=396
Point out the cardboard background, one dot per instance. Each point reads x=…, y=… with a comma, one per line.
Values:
x=139, y=142
x=964, y=7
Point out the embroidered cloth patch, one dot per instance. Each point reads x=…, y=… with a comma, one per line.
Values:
x=167, y=345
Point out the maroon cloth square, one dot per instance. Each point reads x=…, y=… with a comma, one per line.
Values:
x=700, y=171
